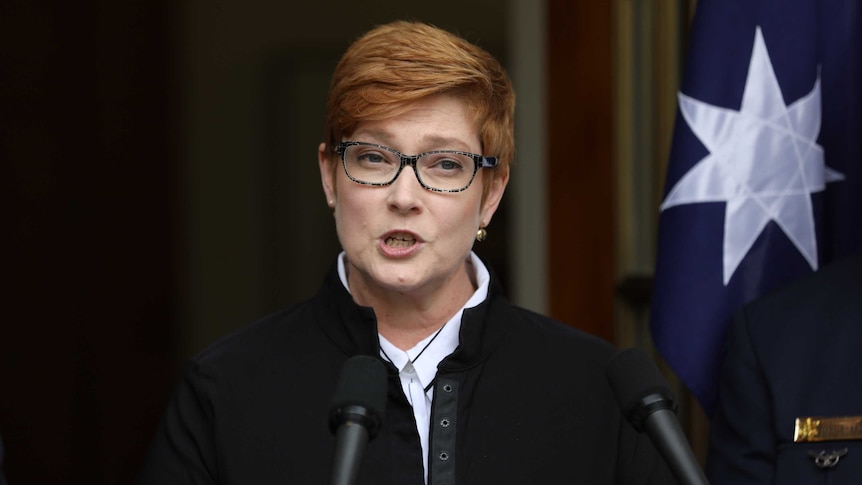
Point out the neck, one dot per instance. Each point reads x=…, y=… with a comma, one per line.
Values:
x=405, y=319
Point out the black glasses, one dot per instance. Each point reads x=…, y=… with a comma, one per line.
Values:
x=438, y=171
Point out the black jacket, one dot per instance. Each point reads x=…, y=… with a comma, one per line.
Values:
x=525, y=399
x=794, y=353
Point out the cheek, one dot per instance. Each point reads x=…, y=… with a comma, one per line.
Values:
x=349, y=217
x=463, y=221
x=351, y=197
x=351, y=230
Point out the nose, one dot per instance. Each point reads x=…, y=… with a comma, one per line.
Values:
x=405, y=191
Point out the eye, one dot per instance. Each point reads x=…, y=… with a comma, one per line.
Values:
x=449, y=164
x=370, y=157
x=445, y=163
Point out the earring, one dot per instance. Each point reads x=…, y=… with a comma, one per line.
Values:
x=481, y=234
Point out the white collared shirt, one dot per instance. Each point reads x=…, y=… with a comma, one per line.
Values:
x=417, y=377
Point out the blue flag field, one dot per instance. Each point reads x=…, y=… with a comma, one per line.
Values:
x=764, y=182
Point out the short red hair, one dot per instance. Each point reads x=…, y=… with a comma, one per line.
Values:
x=396, y=64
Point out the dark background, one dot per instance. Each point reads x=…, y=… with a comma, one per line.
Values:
x=89, y=215
x=103, y=218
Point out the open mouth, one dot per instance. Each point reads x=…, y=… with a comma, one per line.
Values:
x=400, y=240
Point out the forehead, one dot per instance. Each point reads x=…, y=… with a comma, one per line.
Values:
x=437, y=122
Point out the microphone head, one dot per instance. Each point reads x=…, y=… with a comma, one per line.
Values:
x=360, y=394
x=638, y=385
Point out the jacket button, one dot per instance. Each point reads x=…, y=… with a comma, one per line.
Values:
x=447, y=388
x=444, y=456
x=445, y=422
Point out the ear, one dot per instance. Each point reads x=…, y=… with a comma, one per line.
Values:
x=327, y=174
x=493, y=196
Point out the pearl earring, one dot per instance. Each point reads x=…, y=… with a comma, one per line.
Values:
x=481, y=234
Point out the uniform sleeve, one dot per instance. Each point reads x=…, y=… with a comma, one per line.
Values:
x=183, y=451
x=742, y=441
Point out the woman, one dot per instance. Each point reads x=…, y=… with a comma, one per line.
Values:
x=415, y=160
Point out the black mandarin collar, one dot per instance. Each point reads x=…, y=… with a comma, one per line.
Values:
x=353, y=328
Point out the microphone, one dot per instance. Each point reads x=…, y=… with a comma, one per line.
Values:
x=356, y=413
x=647, y=402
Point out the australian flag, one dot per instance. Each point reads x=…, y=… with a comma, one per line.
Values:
x=764, y=182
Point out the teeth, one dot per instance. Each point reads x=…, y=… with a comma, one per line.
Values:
x=400, y=241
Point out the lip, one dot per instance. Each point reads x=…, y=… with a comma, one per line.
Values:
x=400, y=251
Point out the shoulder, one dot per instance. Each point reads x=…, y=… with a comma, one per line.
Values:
x=831, y=282
x=546, y=339
x=564, y=333
x=267, y=338
x=534, y=331
x=825, y=295
x=785, y=332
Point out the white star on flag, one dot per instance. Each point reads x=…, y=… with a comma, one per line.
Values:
x=764, y=161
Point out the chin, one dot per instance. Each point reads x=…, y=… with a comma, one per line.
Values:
x=400, y=281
